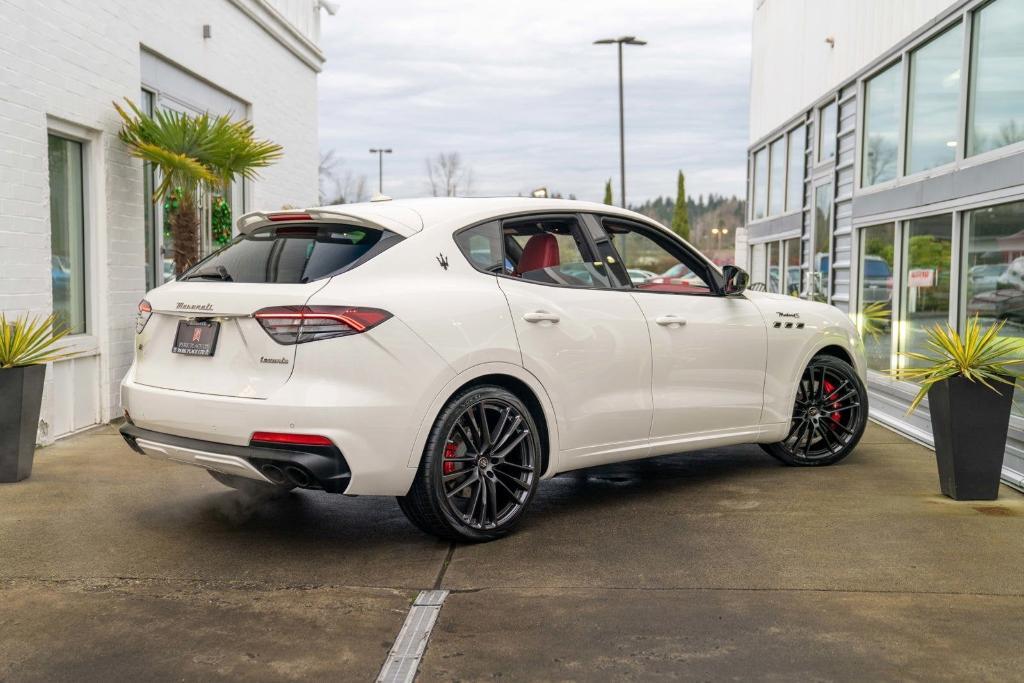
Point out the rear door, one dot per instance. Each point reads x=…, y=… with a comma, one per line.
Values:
x=586, y=343
x=279, y=265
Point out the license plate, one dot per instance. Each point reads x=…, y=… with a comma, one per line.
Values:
x=195, y=338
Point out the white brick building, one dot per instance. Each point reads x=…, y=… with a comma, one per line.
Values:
x=77, y=230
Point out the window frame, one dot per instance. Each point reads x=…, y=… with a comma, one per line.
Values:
x=93, y=206
x=587, y=243
x=710, y=275
x=591, y=222
x=819, y=118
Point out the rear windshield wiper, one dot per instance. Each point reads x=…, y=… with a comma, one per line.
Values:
x=218, y=273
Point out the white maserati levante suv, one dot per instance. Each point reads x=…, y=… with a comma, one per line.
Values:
x=455, y=352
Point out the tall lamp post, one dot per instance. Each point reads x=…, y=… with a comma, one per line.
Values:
x=718, y=232
x=619, y=42
x=380, y=167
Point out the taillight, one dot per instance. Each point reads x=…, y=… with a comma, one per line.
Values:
x=290, y=439
x=288, y=216
x=300, y=324
x=145, y=311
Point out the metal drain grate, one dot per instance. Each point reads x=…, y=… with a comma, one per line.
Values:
x=405, y=655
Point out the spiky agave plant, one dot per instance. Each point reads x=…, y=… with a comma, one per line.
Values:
x=30, y=341
x=979, y=356
x=193, y=154
x=873, y=318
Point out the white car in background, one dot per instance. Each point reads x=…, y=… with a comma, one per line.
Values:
x=455, y=352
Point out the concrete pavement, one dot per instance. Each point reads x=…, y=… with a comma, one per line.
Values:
x=712, y=565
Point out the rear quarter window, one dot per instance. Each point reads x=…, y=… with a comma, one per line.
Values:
x=292, y=254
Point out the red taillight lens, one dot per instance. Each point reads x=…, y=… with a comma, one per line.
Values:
x=145, y=311
x=300, y=324
x=290, y=439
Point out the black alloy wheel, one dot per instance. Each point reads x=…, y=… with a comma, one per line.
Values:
x=480, y=467
x=829, y=415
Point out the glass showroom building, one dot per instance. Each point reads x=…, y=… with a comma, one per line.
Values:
x=886, y=174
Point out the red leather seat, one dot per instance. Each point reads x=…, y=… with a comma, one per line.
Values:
x=541, y=251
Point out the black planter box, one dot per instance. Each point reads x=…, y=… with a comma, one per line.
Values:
x=970, y=422
x=21, y=395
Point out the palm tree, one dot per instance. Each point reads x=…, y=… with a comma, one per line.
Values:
x=194, y=154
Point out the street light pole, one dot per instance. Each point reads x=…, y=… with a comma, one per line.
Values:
x=380, y=167
x=619, y=42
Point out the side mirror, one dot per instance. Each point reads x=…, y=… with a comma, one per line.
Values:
x=736, y=280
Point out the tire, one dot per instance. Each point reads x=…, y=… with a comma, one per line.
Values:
x=251, y=487
x=829, y=415
x=465, y=466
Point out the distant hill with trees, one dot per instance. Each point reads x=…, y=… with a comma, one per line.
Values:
x=714, y=211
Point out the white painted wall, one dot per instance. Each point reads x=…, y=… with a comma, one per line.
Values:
x=62, y=63
x=792, y=65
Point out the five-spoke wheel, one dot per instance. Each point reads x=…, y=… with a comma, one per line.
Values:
x=480, y=467
x=829, y=415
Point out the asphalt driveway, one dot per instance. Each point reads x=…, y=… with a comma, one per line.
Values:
x=718, y=564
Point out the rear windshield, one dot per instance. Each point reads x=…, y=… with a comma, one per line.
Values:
x=292, y=254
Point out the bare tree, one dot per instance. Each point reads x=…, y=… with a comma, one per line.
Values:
x=339, y=185
x=448, y=176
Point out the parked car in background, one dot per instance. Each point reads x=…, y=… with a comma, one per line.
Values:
x=381, y=349
x=985, y=277
x=637, y=275
x=877, y=280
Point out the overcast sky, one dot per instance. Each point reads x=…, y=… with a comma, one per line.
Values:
x=520, y=92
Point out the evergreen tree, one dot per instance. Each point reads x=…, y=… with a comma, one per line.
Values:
x=608, y=193
x=681, y=216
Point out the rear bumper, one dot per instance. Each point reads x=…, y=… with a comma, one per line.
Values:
x=324, y=468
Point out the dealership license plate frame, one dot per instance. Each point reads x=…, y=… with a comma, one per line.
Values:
x=188, y=345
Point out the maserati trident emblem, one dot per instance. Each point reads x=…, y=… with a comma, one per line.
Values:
x=443, y=260
x=196, y=334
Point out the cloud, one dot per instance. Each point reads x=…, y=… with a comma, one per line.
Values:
x=520, y=91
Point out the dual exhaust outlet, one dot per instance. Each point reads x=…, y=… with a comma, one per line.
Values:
x=288, y=474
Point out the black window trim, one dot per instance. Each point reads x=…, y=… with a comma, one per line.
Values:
x=710, y=273
x=581, y=216
x=588, y=245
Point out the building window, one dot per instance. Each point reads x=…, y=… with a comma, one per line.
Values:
x=774, y=283
x=821, y=247
x=934, y=101
x=760, y=183
x=876, y=280
x=827, y=132
x=791, y=249
x=149, y=208
x=881, y=126
x=996, y=102
x=993, y=280
x=777, y=177
x=67, y=232
x=926, y=282
x=795, y=170
x=757, y=270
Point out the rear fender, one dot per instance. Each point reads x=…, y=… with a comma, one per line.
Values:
x=466, y=377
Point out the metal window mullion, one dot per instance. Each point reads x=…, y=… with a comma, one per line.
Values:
x=904, y=125
x=899, y=277
x=956, y=268
x=965, y=77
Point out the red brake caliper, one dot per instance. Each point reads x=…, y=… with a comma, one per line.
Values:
x=829, y=390
x=450, y=451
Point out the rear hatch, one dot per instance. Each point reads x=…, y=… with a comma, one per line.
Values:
x=271, y=265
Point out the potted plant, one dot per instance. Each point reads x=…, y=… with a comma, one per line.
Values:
x=26, y=346
x=969, y=382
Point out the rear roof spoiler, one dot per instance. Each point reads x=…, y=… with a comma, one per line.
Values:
x=406, y=223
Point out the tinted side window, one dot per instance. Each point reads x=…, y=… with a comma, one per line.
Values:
x=481, y=245
x=654, y=263
x=292, y=254
x=551, y=250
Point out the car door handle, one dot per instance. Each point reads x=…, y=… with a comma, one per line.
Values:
x=541, y=316
x=670, y=320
